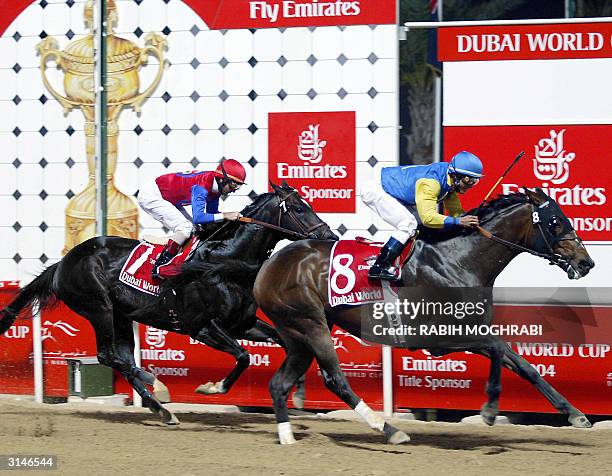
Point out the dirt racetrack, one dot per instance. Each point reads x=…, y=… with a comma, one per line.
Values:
x=92, y=440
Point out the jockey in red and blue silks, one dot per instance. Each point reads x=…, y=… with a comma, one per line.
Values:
x=420, y=187
x=165, y=198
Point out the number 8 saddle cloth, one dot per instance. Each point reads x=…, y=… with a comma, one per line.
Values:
x=349, y=263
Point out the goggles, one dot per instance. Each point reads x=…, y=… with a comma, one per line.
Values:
x=467, y=180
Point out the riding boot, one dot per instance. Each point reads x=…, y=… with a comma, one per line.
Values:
x=170, y=251
x=383, y=267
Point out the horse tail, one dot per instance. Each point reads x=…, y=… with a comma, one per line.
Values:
x=40, y=291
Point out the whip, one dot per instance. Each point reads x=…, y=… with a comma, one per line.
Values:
x=514, y=162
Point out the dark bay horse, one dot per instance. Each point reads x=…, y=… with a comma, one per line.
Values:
x=291, y=288
x=211, y=300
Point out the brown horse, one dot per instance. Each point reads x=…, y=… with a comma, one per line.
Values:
x=291, y=288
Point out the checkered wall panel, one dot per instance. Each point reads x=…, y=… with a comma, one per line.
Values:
x=212, y=102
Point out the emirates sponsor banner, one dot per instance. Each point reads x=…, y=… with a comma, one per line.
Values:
x=580, y=372
x=567, y=161
x=525, y=42
x=315, y=153
x=183, y=363
x=286, y=13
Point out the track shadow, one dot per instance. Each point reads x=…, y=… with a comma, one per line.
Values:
x=490, y=444
x=197, y=422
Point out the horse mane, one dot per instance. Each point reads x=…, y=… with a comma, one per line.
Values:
x=484, y=212
x=223, y=230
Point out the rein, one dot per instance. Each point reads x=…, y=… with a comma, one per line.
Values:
x=272, y=227
x=552, y=257
x=282, y=208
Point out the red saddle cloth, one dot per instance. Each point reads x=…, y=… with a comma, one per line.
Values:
x=136, y=271
x=349, y=263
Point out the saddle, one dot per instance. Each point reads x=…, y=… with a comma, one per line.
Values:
x=136, y=271
x=350, y=261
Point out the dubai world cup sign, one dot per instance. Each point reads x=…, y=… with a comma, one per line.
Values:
x=315, y=153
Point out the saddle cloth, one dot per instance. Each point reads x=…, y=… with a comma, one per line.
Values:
x=349, y=263
x=136, y=271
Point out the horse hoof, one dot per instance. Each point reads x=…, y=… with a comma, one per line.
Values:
x=398, y=438
x=488, y=414
x=579, y=421
x=210, y=388
x=169, y=418
x=287, y=440
x=298, y=401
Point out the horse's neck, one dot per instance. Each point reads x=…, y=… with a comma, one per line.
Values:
x=249, y=243
x=474, y=260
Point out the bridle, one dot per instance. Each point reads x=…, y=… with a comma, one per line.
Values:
x=284, y=209
x=541, y=240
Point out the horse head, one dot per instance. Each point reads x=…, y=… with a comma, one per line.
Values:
x=552, y=234
x=294, y=214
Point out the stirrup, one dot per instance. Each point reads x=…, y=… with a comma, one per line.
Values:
x=383, y=273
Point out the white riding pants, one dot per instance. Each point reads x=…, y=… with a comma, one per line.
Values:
x=389, y=209
x=151, y=201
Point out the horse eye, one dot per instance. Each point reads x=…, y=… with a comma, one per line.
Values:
x=554, y=225
x=299, y=209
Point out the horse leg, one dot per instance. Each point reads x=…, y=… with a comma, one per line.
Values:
x=264, y=332
x=136, y=376
x=298, y=359
x=322, y=345
x=524, y=369
x=490, y=409
x=218, y=338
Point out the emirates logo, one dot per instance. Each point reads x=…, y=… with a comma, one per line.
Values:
x=310, y=147
x=551, y=162
x=155, y=337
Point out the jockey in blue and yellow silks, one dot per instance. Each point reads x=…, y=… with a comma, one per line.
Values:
x=423, y=187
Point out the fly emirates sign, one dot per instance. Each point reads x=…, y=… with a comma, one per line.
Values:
x=226, y=14
x=560, y=41
x=315, y=153
x=273, y=11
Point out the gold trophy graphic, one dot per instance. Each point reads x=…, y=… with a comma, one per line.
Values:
x=76, y=61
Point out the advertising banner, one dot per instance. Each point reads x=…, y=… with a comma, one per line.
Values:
x=315, y=153
x=16, y=370
x=227, y=14
x=566, y=161
x=286, y=13
x=183, y=364
x=525, y=42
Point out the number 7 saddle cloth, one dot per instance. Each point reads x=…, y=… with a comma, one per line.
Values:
x=349, y=263
x=136, y=271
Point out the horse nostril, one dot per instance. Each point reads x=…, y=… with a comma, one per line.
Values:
x=586, y=263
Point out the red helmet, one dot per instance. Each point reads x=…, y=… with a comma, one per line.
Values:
x=231, y=169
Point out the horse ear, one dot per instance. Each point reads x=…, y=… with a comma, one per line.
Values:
x=285, y=185
x=533, y=196
x=276, y=188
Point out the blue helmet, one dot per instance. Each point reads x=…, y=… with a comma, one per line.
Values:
x=466, y=163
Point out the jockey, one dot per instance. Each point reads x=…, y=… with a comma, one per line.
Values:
x=423, y=187
x=164, y=200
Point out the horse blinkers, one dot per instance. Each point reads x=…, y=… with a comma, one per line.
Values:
x=557, y=238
